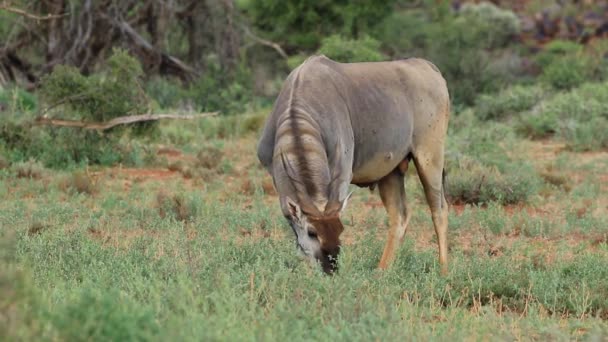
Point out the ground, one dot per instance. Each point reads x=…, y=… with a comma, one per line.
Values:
x=195, y=257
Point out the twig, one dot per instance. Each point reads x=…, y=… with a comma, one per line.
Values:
x=43, y=120
x=265, y=42
x=15, y=10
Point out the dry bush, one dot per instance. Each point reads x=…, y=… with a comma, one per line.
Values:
x=209, y=157
x=80, y=182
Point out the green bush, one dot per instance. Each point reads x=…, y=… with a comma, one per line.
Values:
x=481, y=164
x=588, y=135
x=462, y=45
x=577, y=116
x=469, y=181
x=166, y=93
x=567, y=72
x=508, y=102
x=218, y=91
x=560, y=289
x=301, y=25
x=499, y=25
x=556, y=50
x=99, y=97
x=115, y=91
x=344, y=50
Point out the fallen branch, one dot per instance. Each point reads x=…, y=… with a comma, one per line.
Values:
x=123, y=120
x=6, y=7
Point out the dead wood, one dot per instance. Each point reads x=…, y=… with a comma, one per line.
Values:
x=123, y=120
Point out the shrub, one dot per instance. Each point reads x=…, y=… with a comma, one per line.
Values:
x=481, y=164
x=341, y=49
x=566, y=73
x=218, y=90
x=166, y=93
x=469, y=181
x=461, y=45
x=499, y=25
x=301, y=24
x=99, y=97
x=508, y=102
x=577, y=116
x=556, y=50
x=113, y=92
x=586, y=135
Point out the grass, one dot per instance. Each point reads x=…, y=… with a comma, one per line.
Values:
x=150, y=254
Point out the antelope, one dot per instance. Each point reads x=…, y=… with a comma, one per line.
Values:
x=334, y=124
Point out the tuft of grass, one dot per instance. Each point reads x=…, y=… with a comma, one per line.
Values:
x=209, y=157
x=37, y=228
x=175, y=206
x=474, y=183
x=80, y=182
x=29, y=169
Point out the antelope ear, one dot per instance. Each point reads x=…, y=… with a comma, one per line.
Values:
x=335, y=207
x=293, y=207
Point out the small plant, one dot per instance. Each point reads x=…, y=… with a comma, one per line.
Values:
x=82, y=183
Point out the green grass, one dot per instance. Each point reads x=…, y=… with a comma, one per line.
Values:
x=109, y=266
x=106, y=255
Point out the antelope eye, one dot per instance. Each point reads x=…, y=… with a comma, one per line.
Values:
x=312, y=234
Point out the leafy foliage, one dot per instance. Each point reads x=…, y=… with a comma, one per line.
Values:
x=344, y=50
x=97, y=98
x=578, y=116
x=461, y=45
x=302, y=24
x=508, y=102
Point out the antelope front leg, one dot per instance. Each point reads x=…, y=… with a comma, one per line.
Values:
x=392, y=193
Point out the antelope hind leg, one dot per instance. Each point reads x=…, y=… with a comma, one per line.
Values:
x=392, y=193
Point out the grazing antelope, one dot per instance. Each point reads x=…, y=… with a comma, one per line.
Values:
x=335, y=124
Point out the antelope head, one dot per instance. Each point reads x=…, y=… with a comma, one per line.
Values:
x=317, y=233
